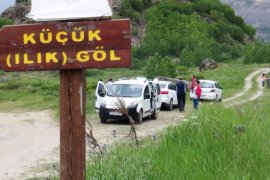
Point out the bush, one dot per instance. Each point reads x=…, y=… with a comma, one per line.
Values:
x=159, y=66
x=4, y=21
x=135, y=31
x=21, y=1
x=259, y=53
x=91, y=86
x=132, y=9
x=1, y=72
x=181, y=69
x=199, y=75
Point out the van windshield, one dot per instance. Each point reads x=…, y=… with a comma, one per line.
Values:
x=125, y=90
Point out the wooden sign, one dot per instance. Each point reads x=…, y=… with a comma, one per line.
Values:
x=65, y=45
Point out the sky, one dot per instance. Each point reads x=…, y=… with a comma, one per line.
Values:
x=4, y=4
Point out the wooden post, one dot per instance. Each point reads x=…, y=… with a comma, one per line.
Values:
x=72, y=124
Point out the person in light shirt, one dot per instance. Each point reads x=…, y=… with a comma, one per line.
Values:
x=109, y=83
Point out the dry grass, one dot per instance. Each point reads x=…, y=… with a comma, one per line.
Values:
x=120, y=106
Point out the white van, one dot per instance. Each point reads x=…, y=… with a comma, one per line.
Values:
x=142, y=99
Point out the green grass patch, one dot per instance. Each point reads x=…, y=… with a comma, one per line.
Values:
x=231, y=76
x=40, y=90
x=217, y=143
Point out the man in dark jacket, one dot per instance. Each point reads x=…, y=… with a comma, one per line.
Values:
x=181, y=94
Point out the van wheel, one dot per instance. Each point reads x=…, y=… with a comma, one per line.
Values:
x=139, y=117
x=171, y=105
x=220, y=100
x=154, y=115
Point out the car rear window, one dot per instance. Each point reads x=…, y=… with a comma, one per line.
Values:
x=206, y=85
x=162, y=85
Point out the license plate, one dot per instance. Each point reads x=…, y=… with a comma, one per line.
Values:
x=115, y=113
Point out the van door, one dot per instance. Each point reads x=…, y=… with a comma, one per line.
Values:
x=146, y=101
x=158, y=97
x=101, y=91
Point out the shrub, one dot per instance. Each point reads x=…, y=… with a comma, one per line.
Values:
x=1, y=72
x=135, y=31
x=181, y=69
x=199, y=75
x=4, y=21
x=91, y=86
x=260, y=53
x=21, y=1
x=159, y=66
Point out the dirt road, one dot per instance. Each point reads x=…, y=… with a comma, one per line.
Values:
x=248, y=85
x=24, y=139
x=31, y=137
x=27, y=138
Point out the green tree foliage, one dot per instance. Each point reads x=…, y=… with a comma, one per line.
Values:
x=159, y=66
x=133, y=8
x=190, y=32
x=4, y=21
x=20, y=1
x=258, y=53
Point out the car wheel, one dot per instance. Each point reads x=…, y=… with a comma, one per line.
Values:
x=154, y=115
x=139, y=117
x=220, y=100
x=103, y=120
x=216, y=98
x=170, y=105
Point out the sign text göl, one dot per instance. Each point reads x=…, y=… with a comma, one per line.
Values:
x=65, y=45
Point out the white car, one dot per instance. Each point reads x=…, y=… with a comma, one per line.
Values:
x=168, y=94
x=141, y=97
x=211, y=90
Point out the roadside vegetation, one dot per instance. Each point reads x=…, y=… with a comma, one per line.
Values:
x=40, y=90
x=212, y=143
x=178, y=37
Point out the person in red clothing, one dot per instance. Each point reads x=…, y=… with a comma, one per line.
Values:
x=193, y=83
x=196, y=94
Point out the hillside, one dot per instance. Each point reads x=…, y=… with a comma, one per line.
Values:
x=256, y=13
x=186, y=32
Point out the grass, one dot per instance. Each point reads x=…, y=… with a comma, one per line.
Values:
x=23, y=91
x=217, y=143
x=230, y=76
x=40, y=90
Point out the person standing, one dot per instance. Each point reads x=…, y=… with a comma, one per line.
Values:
x=193, y=82
x=192, y=85
x=263, y=79
x=196, y=94
x=181, y=94
x=109, y=83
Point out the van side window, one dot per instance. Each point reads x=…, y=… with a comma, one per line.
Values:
x=146, y=93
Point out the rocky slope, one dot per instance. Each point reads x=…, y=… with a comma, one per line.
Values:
x=256, y=13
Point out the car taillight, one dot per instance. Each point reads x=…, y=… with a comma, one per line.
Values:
x=212, y=90
x=164, y=92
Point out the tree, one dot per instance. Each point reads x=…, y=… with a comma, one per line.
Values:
x=159, y=66
x=21, y=1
